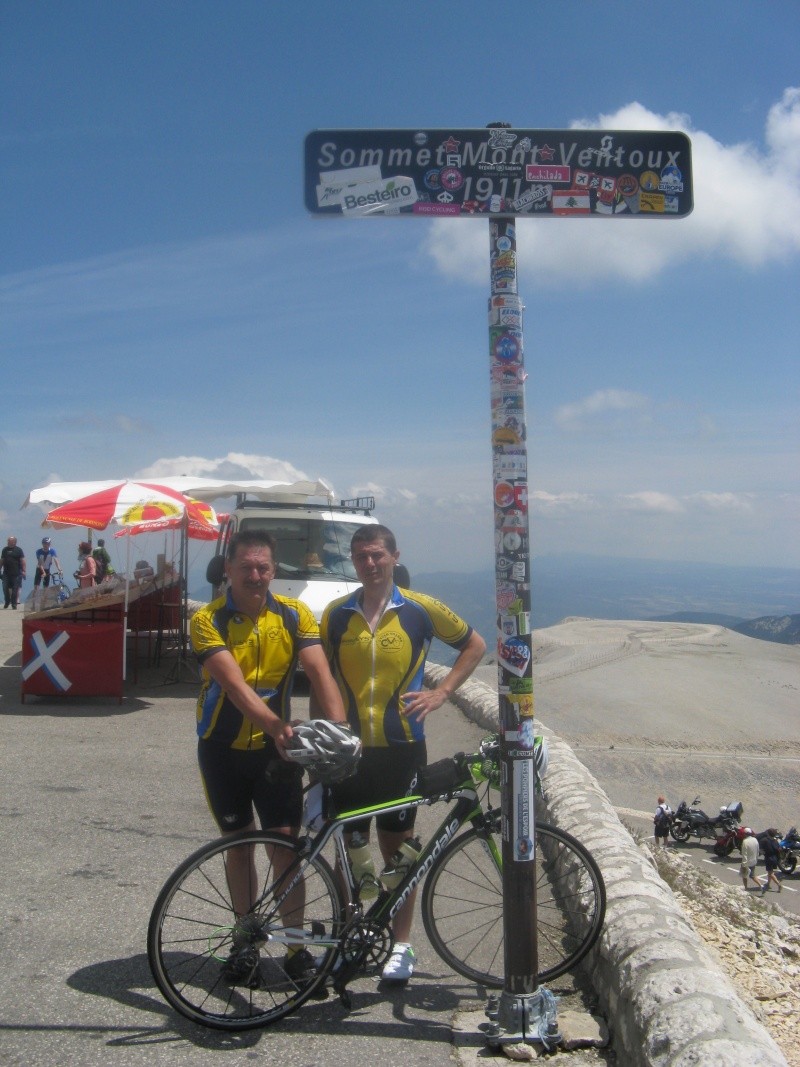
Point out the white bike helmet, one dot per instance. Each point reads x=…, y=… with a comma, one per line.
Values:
x=326, y=750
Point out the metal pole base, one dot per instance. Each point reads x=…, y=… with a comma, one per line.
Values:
x=530, y=1017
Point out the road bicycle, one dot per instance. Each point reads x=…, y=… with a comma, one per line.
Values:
x=62, y=590
x=303, y=900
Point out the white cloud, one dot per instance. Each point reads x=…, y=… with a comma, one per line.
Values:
x=555, y=504
x=650, y=500
x=449, y=524
x=747, y=211
x=723, y=501
x=599, y=403
x=783, y=130
x=622, y=412
x=234, y=465
x=384, y=495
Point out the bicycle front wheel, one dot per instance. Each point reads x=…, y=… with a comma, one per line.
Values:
x=462, y=904
x=222, y=925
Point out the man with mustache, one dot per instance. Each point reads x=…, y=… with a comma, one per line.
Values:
x=249, y=643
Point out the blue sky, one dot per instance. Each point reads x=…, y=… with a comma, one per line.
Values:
x=169, y=307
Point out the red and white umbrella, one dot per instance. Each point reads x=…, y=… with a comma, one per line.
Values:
x=129, y=503
x=198, y=520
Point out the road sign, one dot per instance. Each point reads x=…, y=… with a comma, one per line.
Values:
x=499, y=173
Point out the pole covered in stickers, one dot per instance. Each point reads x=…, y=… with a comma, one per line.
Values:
x=513, y=602
x=501, y=174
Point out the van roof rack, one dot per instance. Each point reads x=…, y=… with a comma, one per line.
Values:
x=365, y=504
x=359, y=503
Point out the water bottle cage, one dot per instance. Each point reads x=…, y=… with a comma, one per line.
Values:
x=397, y=867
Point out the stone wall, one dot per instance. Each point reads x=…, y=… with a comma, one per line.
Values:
x=666, y=999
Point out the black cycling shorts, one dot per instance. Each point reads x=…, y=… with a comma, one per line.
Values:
x=383, y=774
x=238, y=780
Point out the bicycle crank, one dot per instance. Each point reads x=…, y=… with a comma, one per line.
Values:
x=367, y=944
x=365, y=947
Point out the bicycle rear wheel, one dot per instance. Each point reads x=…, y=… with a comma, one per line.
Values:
x=196, y=945
x=462, y=904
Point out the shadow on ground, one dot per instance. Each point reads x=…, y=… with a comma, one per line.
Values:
x=420, y=1012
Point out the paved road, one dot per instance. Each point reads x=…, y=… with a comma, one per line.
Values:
x=701, y=853
x=98, y=803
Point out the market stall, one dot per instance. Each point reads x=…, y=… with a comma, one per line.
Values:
x=74, y=646
x=127, y=504
x=67, y=646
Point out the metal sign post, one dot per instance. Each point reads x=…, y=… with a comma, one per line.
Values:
x=525, y=1010
x=501, y=174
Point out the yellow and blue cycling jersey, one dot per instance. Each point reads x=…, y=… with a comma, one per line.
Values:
x=373, y=670
x=266, y=650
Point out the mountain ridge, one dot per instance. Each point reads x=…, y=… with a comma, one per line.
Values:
x=617, y=588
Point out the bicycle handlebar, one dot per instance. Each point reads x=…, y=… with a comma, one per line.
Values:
x=484, y=765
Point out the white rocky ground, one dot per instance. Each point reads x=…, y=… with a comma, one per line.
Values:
x=685, y=709
x=675, y=708
x=757, y=945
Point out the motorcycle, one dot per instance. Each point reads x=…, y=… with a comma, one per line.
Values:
x=789, y=851
x=731, y=838
x=691, y=821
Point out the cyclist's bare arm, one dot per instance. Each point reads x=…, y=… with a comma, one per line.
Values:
x=425, y=701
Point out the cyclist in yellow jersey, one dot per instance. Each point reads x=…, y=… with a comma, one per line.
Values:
x=249, y=643
x=377, y=640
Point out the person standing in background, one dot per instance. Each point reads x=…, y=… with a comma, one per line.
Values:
x=46, y=560
x=769, y=847
x=661, y=822
x=102, y=560
x=12, y=565
x=87, y=567
x=749, y=858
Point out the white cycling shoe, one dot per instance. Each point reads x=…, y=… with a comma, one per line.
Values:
x=400, y=965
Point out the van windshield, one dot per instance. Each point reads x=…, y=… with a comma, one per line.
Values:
x=309, y=547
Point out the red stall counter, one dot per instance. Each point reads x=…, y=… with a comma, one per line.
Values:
x=71, y=657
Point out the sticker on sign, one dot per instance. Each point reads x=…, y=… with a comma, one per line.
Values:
x=386, y=195
x=334, y=183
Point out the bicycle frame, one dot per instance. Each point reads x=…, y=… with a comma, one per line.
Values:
x=229, y=970
x=467, y=809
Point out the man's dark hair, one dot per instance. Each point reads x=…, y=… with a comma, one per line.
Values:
x=251, y=536
x=365, y=535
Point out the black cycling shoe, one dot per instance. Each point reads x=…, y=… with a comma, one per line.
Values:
x=242, y=967
x=302, y=970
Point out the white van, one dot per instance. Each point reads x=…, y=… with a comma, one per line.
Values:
x=312, y=546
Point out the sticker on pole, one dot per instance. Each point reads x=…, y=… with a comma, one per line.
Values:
x=523, y=818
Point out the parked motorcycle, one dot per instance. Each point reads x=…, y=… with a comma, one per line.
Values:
x=731, y=838
x=789, y=851
x=691, y=821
